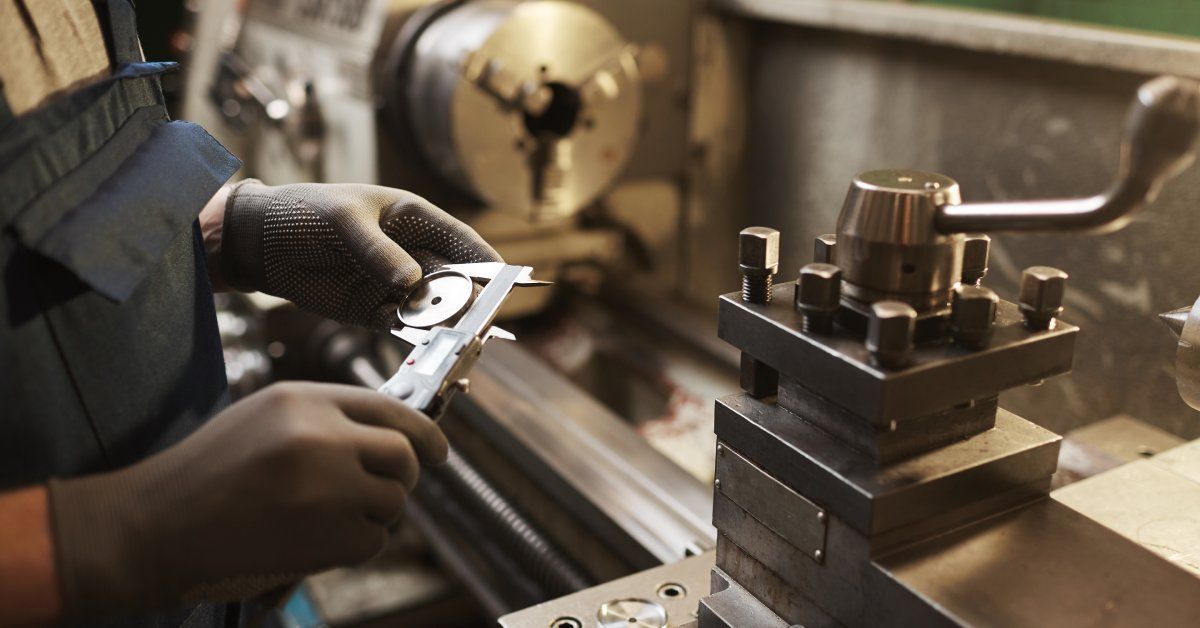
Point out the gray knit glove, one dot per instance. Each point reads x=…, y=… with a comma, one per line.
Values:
x=348, y=252
x=296, y=478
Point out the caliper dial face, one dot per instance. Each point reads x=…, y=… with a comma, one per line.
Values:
x=440, y=297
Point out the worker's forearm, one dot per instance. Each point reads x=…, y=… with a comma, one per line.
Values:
x=212, y=225
x=29, y=588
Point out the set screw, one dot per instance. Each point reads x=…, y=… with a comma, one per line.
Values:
x=1041, y=297
x=818, y=294
x=976, y=247
x=823, y=247
x=890, y=331
x=972, y=311
x=758, y=259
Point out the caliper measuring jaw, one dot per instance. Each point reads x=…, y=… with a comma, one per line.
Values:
x=448, y=325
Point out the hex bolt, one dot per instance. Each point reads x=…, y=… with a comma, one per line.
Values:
x=823, y=247
x=975, y=258
x=758, y=259
x=1042, y=291
x=972, y=311
x=890, y=333
x=818, y=294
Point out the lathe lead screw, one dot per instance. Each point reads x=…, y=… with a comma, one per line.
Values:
x=758, y=259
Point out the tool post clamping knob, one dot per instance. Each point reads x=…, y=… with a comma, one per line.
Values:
x=900, y=232
x=1161, y=130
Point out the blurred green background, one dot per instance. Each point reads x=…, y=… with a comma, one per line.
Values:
x=1179, y=17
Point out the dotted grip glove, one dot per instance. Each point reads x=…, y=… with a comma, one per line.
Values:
x=349, y=252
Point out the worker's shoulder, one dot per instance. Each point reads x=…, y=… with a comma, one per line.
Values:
x=47, y=47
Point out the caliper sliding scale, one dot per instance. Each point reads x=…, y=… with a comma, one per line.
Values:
x=442, y=354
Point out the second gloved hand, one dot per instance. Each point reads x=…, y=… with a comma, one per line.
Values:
x=349, y=252
x=294, y=479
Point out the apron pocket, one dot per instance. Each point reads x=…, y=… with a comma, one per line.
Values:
x=113, y=238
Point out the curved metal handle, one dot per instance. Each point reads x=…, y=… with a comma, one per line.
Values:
x=1161, y=130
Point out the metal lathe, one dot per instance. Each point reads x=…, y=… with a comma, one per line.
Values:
x=752, y=397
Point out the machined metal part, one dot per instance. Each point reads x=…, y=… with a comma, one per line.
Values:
x=731, y=606
x=898, y=440
x=838, y=366
x=887, y=247
x=688, y=579
x=1042, y=291
x=976, y=247
x=531, y=107
x=756, y=378
x=1153, y=500
x=631, y=613
x=890, y=330
x=818, y=295
x=786, y=512
x=1185, y=323
x=823, y=247
x=758, y=261
x=1067, y=569
x=972, y=311
x=874, y=498
x=440, y=297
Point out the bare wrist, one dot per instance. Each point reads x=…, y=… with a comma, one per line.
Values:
x=212, y=227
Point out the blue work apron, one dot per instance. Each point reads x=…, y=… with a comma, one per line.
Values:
x=109, y=348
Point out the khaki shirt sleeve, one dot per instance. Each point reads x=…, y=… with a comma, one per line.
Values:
x=47, y=47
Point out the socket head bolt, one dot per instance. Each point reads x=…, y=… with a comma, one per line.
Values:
x=818, y=294
x=975, y=258
x=823, y=246
x=890, y=333
x=972, y=311
x=1041, y=297
x=758, y=259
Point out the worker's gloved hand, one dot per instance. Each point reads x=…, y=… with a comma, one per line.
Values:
x=349, y=252
x=297, y=478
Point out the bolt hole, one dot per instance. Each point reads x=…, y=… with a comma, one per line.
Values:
x=1146, y=452
x=566, y=622
x=671, y=591
x=908, y=269
x=544, y=69
x=437, y=300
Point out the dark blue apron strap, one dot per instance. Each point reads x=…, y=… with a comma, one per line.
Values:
x=47, y=144
x=122, y=24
